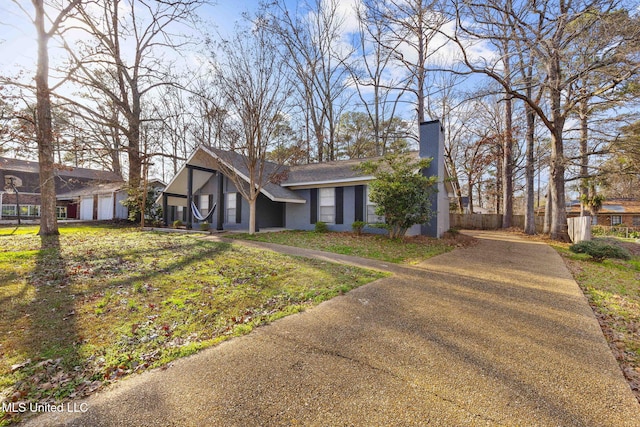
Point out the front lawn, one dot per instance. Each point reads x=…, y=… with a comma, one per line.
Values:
x=613, y=290
x=98, y=303
x=411, y=250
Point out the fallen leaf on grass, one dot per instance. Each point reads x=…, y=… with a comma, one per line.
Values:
x=20, y=365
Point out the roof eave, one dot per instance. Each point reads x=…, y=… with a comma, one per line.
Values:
x=327, y=183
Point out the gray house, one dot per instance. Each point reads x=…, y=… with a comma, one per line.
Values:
x=334, y=192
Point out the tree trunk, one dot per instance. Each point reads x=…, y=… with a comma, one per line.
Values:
x=252, y=215
x=529, y=214
x=548, y=209
x=559, y=227
x=584, y=157
x=507, y=164
x=48, y=220
x=421, y=76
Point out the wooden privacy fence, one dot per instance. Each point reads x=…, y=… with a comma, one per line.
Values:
x=489, y=221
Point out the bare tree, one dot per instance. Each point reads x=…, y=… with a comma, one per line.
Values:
x=411, y=28
x=546, y=30
x=312, y=38
x=44, y=127
x=253, y=79
x=122, y=60
x=379, y=92
x=455, y=111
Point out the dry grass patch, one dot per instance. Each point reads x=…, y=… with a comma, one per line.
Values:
x=98, y=303
x=613, y=290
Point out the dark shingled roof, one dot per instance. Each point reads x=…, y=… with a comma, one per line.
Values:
x=60, y=170
x=336, y=171
x=271, y=170
x=611, y=207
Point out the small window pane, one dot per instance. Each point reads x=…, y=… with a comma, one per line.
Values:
x=231, y=208
x=61, y=212
x=636, y=221
x=8, y=210
x=372, y=218
x=616, y=219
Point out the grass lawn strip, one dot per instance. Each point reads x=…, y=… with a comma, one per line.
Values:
x=613, y=290
x=411, y=250
x=98, y=303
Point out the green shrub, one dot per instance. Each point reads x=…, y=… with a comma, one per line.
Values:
x=204, y=226
x=177, y=223
x=357, y=227
x=321, y=227
x=599, y=250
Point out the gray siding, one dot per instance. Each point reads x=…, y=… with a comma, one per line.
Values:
x=298, y=215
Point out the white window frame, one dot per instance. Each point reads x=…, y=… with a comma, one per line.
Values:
x=372, y=218
x=61, y=212
x=614, y=218
x=327, y=205
x=204, y=204
x=12, y=208
x=230, y=204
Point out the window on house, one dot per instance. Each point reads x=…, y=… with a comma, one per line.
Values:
x=636, y=221
x=61, y=212
x=231, y=207
x=9, y=210
x=616, y=219
x=204, y=204
x=594, y=220
x=328, y=205
x=372, y=218
x=29, y=210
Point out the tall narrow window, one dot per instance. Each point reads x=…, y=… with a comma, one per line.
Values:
x=204, y=204
x=231, y=207
x=372, y=218
x=328, y=205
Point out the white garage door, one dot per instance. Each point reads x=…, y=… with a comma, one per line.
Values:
x=105, y=207
x=86, y=208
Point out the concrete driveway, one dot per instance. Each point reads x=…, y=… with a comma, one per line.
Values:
x=494, y=334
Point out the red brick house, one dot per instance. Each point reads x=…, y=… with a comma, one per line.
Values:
x=82, y=193
x=614, y=212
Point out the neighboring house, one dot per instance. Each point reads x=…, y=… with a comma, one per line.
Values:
x=334, y=192
x=81, y=193
x=614, y=212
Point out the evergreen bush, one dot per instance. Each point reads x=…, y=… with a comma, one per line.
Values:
x=599, y=250
x=321, y=227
